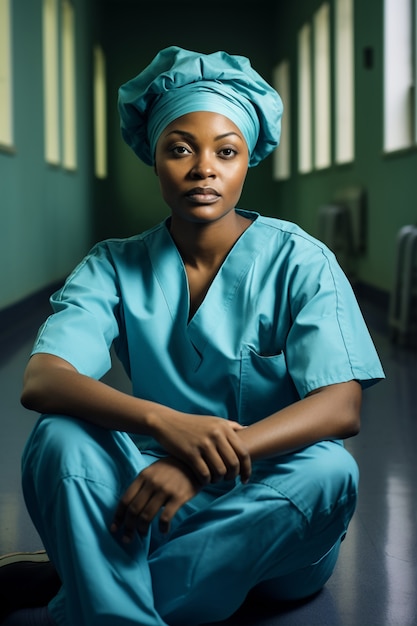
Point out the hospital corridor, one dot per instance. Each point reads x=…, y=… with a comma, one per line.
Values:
x=345, y=171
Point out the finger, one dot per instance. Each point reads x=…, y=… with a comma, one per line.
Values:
x=245, y=462
x=229, y=460
x=170, y=509
x=216, y=460
x=133, y=513
x=198, y=464
x=235, y=457
x=123, y=504
x=149, y=512
x=118, y=517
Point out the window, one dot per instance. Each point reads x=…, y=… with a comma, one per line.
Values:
x=51, y=82
x=304, y=100
x=69, y=130
x=6, y=116
x=344, y=96
x=398, y=75
x=316, y=108
x=282, y=155
x=322, y=105
x=100, y=113
x=59, y=83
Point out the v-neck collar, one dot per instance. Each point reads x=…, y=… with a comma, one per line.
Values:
x=170, y=272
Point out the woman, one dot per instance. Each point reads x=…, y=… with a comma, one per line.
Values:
x=224, y=471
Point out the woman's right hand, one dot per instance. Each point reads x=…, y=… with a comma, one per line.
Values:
x=209, y=445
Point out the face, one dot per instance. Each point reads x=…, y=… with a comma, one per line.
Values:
x=201, y=160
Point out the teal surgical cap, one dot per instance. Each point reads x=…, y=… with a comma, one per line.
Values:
x=179, y=81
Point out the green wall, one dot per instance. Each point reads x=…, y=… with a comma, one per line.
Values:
x=49, y=217
x=390, y=182
x=45, y=212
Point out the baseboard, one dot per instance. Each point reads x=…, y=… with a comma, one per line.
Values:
x=18, y=318
x=19, y=309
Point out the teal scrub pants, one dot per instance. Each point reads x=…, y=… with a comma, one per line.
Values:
x=280, y=533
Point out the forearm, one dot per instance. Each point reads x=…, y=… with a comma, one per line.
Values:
x=55, y=387
x=331, y=413
x=209, y=445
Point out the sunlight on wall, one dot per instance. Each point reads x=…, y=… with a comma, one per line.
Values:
x=345, y=114
x=304, y=100
x=322, y=105
x=59, y=83
x=282, y=155
x=100, y=114
x=51, y=82
x=68, y=87
x=6, y=116
x=398, y=75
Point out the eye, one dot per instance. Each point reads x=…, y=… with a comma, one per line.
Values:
x=228, y=153
x=179, y=151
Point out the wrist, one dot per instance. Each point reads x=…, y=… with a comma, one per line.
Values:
x=154, y=416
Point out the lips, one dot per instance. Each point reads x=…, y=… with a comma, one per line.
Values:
x=203, y=195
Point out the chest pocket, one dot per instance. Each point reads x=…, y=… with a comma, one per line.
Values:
x=265, y=385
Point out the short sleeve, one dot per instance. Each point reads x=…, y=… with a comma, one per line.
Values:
x=328, y=341
x=84, y=323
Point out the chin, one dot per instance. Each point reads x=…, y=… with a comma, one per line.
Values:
x=202, y=214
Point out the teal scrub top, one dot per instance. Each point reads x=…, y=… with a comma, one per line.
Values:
x=280, y=319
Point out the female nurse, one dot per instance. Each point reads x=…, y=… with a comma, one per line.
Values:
x=224, y=471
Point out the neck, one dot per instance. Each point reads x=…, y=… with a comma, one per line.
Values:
x=205, y=245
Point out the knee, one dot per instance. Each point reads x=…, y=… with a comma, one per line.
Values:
x=302, y=583
x=54, y=448
x=61, y=447
x=54, y=438
x=339, y=475
x=334, y=481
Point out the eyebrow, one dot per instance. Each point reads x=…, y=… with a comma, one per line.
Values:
x=191, y=136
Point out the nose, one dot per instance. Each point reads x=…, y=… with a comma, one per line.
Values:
x=203, y=166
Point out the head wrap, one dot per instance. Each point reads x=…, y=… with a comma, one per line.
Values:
x=179, y=81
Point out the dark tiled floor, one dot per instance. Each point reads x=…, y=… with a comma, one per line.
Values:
x=375, y=582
